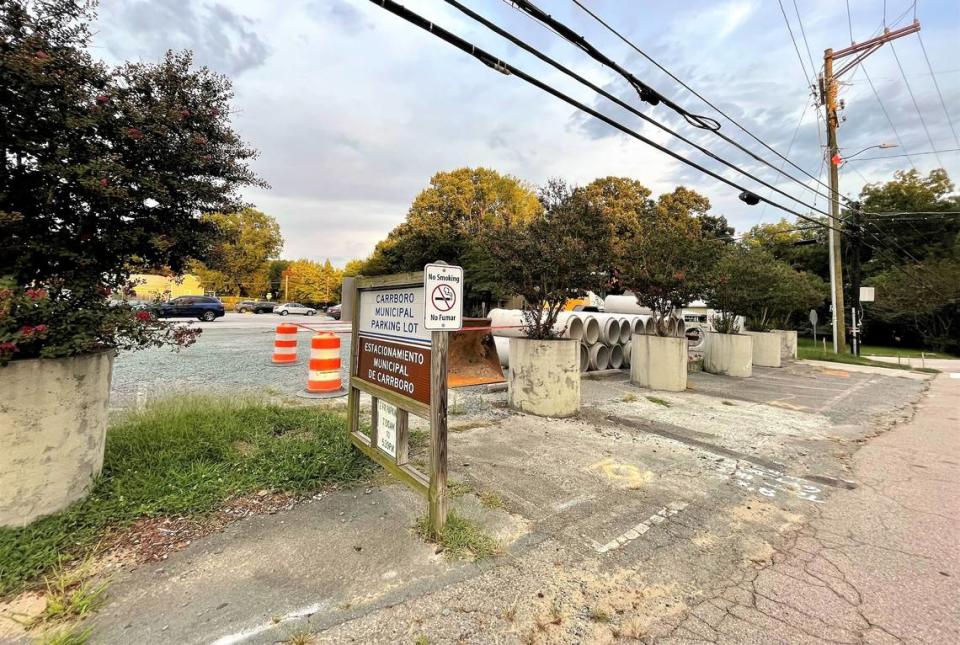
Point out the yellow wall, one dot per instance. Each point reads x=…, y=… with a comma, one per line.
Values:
x=149, y=287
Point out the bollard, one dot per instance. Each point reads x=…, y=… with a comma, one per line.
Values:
x=323, y=377
x=285, y=345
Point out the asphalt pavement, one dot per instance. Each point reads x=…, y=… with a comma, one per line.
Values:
x=718, y=515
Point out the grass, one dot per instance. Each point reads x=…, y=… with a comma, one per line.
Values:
x=808, y=350
x=70, y=635
x=599, y=615
x=490, y=499
x=300, y=638
x=461, y=538
x=659, y=401
x=72, y=594
x=185, y=456
x=457, y=488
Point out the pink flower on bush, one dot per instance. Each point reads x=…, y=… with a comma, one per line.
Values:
x=143, y=316
x=135, y=133
x=6, y=347
x=39, y=329
x=34, y=294
x=29, y=332
x=102, y=99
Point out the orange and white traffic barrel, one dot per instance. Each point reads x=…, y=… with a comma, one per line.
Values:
x=285, y=345
x=323, y=377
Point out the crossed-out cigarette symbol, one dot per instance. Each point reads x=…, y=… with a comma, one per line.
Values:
x=444, y=297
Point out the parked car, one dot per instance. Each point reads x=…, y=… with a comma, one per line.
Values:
x=205, y=308
x=334, y=311
x=256, y=306
x=294, y=308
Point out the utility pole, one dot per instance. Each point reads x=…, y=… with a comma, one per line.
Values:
x=828, y=97
x=856, y=245
x=286, y=288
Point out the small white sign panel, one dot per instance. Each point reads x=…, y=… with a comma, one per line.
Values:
x=387, y=428
x=867, y=294
x=443, y=287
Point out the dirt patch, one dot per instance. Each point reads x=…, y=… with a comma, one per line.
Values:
x=18, y=612
x=757, y=512
x=155, y=538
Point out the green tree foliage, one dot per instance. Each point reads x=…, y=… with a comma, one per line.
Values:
x=668, y=263
x=749, y=281
x=445, y=222
x=239, y=262
x=275, y=269
x=557, y=256
x=801, y=244
x=312, y=283
x=923, y=297
x=104, y=171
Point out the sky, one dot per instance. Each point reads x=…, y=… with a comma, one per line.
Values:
x=353, y=109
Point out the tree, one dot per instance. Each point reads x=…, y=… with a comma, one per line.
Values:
x=921, y=298
x=667, y=265
x=239, y=262
x=445, y=222
x=312, y=282
x=555, y=257
x=750, y=282
x=103, y=171
x=275, y=271
x=801, y=244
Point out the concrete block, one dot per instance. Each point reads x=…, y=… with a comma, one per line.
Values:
x=766, y=348
x=788, y=345
x=659, y=362
x=544, y=377
x=53, y=425
x=729, y=354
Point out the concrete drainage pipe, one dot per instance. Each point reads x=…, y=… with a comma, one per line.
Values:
x=599, y=356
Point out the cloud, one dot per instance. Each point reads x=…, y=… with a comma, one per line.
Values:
x=353, y=110
x=220, y=38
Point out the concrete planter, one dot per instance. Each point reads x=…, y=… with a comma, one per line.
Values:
x=729, y=354
x=544, y=377
x=53, y=424
x=766, y=348
x=659, y=362
x=788, y=345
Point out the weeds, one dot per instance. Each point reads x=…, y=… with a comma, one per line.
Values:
x=599, y=615
x=725, y=402
x=461, y=538
x=633, y=629
x=185, y=456
x=71, y=635
x=72, y=594
x=659, y=401
x=421, y=640
x=490, y=499
x=300, y=638
x=629, y=398
x=456, y=488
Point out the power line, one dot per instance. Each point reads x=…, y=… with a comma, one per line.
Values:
x=943, y=103
x=796, y=130
x=912, y=154
x=510, y=70
x=647, y=93
x=663, y=69
x=886, y=115
x=850, y=20
x=540, y=55
x=914, y=99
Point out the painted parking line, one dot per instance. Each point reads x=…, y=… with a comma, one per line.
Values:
x=634, y=532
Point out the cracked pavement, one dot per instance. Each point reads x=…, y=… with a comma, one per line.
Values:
x=804, y=505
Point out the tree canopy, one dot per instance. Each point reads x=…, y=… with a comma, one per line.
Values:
x=239, y=261
x=105, y=171
x=445, y=222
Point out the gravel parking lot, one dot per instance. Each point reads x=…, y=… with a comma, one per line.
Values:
x=232, y=356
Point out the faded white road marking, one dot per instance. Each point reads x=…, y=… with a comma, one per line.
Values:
x=767, y=482
x=250, y=632
x=634, y=532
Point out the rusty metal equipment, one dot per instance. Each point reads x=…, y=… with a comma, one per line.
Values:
x=472, y=356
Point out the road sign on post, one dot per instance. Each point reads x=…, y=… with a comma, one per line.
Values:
x=397, y=360
x=813, y=321
x=443, y=285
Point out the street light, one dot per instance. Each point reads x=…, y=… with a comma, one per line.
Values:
x=882, y=146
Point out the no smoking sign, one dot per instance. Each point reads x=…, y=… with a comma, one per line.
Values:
x=443, y=285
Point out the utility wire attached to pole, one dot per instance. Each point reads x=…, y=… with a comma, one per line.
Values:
x=509, y=70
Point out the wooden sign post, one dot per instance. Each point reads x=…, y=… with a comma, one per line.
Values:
x=402, y=365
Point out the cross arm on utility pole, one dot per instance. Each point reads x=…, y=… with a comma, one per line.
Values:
x=828, y=90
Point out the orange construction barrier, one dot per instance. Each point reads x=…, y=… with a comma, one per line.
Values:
x=324, y=374
x=285, y=345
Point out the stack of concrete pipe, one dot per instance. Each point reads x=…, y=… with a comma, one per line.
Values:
x=604, y=337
